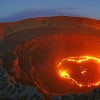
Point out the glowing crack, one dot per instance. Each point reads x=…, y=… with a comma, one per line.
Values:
x=64, y=72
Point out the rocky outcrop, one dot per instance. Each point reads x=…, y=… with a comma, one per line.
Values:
x=93, y=95
x=14, y=91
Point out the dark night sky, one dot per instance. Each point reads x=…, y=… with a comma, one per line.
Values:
x=12, y=10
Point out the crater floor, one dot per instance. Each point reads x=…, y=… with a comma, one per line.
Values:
x=44, y=53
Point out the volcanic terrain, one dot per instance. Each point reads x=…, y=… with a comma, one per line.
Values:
x=42, y=43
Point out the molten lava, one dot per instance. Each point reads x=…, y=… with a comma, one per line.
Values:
x=82, y=71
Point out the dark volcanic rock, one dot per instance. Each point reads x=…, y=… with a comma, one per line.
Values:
x=94, y=95
x=11, y=91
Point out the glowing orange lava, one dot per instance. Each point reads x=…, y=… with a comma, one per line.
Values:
x=82, y=70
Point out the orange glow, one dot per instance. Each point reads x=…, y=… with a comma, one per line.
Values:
x=65, y=73
x=83, y=71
